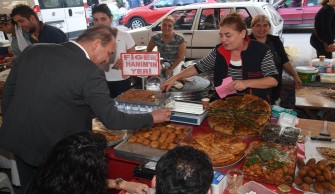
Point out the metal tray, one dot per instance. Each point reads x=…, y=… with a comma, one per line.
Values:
x=194, y=90
x=159, y=97
x=142, y=153
x=222, y=168
x=123, y=134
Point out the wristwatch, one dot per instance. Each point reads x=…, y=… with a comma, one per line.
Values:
x=118, y=181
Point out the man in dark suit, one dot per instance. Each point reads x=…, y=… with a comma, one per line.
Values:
x=52, y=92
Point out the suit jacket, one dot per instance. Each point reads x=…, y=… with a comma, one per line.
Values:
x=52, y=92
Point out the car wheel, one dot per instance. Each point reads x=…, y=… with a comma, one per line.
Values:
x=137, y=23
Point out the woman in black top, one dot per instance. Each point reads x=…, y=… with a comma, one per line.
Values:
x=322, y=38
x=260, y=26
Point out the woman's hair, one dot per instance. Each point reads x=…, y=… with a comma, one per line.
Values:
x=102, y=8
x=76, y=165
x=324, y=2
x=104, y=33
x=235, y=20
x=169, y=18
x=260, y=18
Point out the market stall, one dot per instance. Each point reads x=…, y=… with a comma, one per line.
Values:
x=128, y=166
x=126, y=160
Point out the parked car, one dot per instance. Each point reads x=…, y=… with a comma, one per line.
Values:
x=146, y=15
x=67, y=15
x=298, y=13
x=199, y=24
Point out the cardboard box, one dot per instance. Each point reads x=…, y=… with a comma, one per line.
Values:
x=219, y=183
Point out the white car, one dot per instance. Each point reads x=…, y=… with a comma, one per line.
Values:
x=199, y=24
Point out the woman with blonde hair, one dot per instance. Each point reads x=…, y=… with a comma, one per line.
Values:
x=248, y=62
x=260, y=26
x=170, y=45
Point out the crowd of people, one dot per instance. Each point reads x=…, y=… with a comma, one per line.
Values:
x=54, y=89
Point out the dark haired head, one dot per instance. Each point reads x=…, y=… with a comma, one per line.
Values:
x=102, y=8
x=105, y=34
x=236, y=21
x=184, y=170
x=76, y=165
x=324, y=2
x=24, y=11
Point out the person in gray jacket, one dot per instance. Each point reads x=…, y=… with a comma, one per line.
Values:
x=54, y=90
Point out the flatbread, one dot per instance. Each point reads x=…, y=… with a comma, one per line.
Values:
x=326, y=152
x=239, y=115
x=222, y=149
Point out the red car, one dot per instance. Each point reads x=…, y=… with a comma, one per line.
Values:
x=298, y=13
x=146, y=15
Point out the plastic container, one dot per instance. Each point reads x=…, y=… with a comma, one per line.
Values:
x=255, y=187
x=327, y=77
x=307, y=74
x=270, y=157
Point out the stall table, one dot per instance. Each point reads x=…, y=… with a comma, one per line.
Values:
x=119, y=167
x=312, y=99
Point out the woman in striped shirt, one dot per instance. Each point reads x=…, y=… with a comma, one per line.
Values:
x=248, y=62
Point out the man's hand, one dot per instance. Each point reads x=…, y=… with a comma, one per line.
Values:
x=161, y=115
x=117, y=65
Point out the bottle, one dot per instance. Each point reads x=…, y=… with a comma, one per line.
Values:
x=322, y=66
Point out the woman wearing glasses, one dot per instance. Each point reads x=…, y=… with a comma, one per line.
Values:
x=170, y=45
x=260, y=26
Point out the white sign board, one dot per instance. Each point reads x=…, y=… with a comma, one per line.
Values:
x=140, y=64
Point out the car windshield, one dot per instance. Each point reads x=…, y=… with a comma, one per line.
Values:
x=163, y=3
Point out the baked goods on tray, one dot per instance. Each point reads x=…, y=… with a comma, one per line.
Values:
x=160, y=136
x=315, y=176
x=113, y=136
x=222, y=149
x=270, y=162
x=110, y=137
x=326, y=152
x=138, y=95
x=239, y=115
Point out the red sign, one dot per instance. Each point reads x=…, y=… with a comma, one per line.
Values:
x=140, y=64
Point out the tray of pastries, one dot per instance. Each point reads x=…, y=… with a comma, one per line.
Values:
x=240, y=115
x=224, y=150
x=270, y=162
x=113, y=136
x=142, y=101
x=142, y=97
x=315, y=176
x=151, y=143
